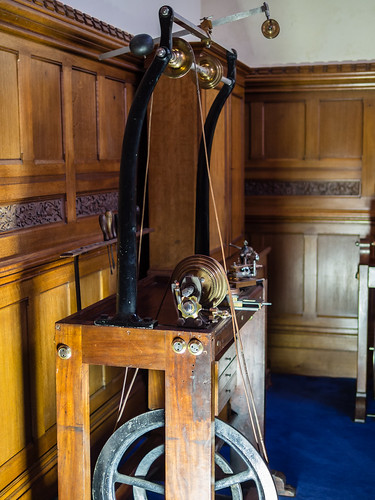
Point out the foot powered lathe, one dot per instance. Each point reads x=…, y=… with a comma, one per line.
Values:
x=200, y=338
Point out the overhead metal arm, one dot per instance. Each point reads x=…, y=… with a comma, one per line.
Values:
x=126, y=302
x=198, y=31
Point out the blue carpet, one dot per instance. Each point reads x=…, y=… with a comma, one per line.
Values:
x=312, y=439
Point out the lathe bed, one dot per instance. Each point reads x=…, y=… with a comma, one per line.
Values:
x=197, y=386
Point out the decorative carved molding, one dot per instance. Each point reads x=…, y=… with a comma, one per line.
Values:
x=33, y=213
x=73, y=14
x=94, y=204
x=302, y=188
x=315, y=69
x=347, y=75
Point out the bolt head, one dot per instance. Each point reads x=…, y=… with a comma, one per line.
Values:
x=161, y=52
x=179, y=345
x=64, y=351
x=195, y=347
x=164, y=11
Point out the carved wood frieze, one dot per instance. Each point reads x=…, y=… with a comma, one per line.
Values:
x=302, y=188
x=346, y=75
x=69, y=13
x=94, y=204
x=315, y=69
x=30, y=214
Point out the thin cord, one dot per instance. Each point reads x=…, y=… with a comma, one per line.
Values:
x=236, y=334
x=123, y=405
x=122, y=397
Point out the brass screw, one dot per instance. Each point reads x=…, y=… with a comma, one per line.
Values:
x=64, y=351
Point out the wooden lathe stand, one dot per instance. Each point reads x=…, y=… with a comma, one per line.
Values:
x=196, y=387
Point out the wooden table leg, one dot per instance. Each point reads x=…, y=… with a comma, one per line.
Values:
x=361, y=393
x=189, y=423
x=73, y=416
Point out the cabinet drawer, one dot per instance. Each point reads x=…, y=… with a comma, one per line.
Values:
x=225, y=378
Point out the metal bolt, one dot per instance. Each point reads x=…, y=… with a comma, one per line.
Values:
x=178, y=345
x=195, y=347
x=58, y=327
x=164, y=11
x=161, y=52
x=64, y=351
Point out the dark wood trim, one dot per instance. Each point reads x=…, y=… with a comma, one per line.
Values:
x=64, y=27
x=338, y=76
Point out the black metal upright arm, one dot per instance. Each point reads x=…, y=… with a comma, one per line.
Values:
x=126, y=302
x=202, y=215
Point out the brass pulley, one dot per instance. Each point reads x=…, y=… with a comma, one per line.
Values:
x=181, y=60
x=209, y=72
x=210, y=274
x=270, y=28
x=209, y=69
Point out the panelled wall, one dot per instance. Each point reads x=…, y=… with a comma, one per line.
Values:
x=173, y=166
x=62, y=117
x=310, y=185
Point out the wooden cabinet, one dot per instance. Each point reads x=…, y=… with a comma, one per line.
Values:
x=175, y=134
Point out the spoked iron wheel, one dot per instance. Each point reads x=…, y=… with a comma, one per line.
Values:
x=107, y=473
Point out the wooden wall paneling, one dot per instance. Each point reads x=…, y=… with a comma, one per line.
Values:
x=112, y=118
x=341, y=128
x=174, y=156
x=62, y=120
x=310, y=271
x=312, y=127
x=46, y=94
x=318, y=338
x=69, y=134
x=16, y=432
x=10, y=147
x=236, y=160
x=84, y=106
x=57, y=157
x=255, y=130
x=284, y=129
x=286, y=268
x=42, y=355
x=337, y=288
x=368, y=160
x=295, y=355
x=25, y=103
x=219, y=176
x=322, y=193
x=172, y=174
x=31, y=304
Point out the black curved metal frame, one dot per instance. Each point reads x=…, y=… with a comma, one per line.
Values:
x=126, y=301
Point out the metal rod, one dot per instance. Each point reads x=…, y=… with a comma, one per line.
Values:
x=189, y=28
x=192, y=28
x=240, y=15
x=204, y=71
x=126, y=50
x=77, y=282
